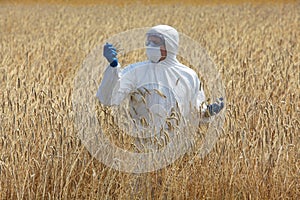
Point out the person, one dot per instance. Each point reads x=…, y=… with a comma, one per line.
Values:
x=155, y=87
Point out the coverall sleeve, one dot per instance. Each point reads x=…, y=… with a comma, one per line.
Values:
x=115, y=86
x=201, y=104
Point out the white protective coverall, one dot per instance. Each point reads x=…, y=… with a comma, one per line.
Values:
x=153, y=89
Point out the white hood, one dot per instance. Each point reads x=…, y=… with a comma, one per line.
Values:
x=171, y=37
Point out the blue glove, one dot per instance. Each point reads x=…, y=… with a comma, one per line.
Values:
x=215, y=108
x=110, y=53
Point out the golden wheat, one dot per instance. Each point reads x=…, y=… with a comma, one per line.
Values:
x=256, y=49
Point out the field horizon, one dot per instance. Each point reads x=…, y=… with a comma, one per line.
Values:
x=146, y=2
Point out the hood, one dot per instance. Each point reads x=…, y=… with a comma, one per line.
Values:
x=171, y=37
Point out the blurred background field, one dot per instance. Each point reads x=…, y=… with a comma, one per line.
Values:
x=147, y=2
x=255, y=47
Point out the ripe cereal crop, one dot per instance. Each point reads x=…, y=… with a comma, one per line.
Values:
x=255, y=47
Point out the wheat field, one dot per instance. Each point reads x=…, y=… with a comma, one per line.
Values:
x=255, y=48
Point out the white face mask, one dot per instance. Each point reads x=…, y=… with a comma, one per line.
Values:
x=153, y=53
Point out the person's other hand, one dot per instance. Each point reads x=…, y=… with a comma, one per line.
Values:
x=110, y=53
x=215, y=108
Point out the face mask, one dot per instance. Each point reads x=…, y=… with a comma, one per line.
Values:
x=153, y=53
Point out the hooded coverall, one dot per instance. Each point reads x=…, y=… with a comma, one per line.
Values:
x=154, y=89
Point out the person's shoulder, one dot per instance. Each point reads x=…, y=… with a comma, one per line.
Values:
x=134, y=66
x=190, y=75
x=187, y=70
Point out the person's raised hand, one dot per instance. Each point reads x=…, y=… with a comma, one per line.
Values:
x=110, y=53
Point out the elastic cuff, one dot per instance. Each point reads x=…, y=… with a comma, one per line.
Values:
x=114, y=63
